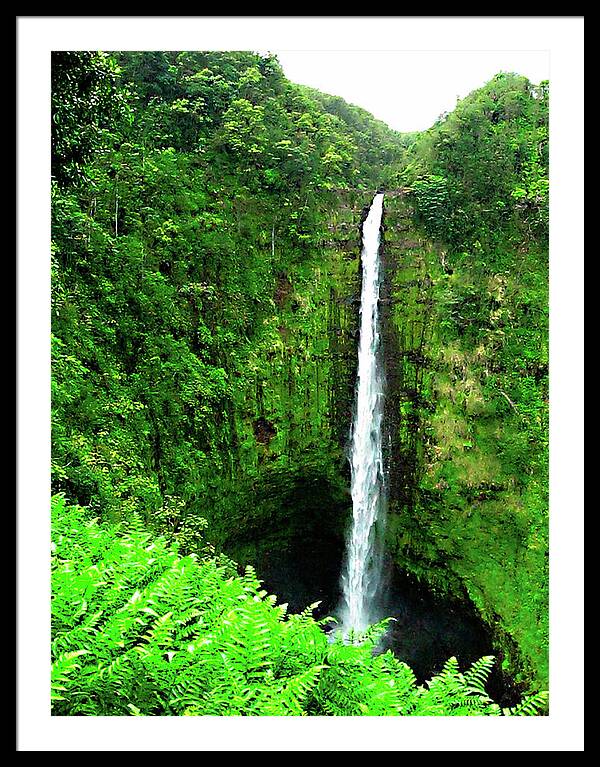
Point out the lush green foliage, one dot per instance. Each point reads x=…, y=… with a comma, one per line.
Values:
x=176, y=235
x=86, y=106
x=139, y=629
x=200, y=349
x=378, y=150
x=479, y=182
x=481, y=173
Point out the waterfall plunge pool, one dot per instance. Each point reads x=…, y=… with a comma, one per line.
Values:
x=427, y=629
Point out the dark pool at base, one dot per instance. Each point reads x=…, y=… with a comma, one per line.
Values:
x=425, y=632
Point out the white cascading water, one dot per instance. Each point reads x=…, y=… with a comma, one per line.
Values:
x=362, y=575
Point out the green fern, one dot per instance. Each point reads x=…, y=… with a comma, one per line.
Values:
x=138, y=630
x=476, y=677
x=531, y=706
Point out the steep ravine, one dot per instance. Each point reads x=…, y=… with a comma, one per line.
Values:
x=206, y=287
x=291, y=465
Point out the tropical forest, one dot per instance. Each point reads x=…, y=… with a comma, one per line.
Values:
x=299, y=396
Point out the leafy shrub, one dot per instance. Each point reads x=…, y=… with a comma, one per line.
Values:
x=139, y=629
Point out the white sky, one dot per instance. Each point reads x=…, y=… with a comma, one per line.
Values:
x=407, y=89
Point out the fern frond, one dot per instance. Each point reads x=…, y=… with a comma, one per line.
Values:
x=532, y=705
x=477, y=675
x=62, y=671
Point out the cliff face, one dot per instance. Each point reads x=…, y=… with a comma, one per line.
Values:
x=465, y=515
x=459, y=521
x=254, y=438
x=287, y=449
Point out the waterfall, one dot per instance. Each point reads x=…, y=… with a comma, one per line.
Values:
x=363, y=566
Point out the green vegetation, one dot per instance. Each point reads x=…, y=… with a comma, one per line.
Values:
x=205, y=216
x=471, y=283
x=481, y=173
x=189, y=222
x=139, y=629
